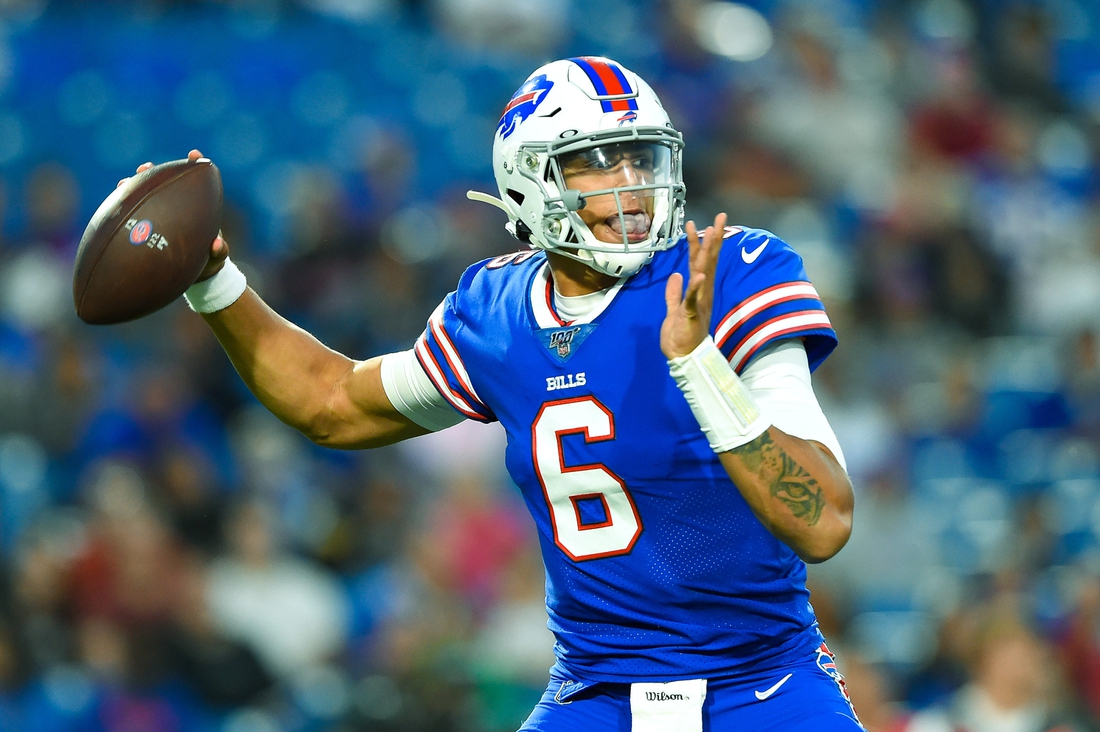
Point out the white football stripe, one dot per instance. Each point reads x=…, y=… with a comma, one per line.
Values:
x=758, y=302
x=783, y=324
x=436, y=323
x=544, y=316
x=441, y=382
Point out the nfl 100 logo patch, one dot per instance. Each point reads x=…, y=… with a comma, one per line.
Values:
x=563, y=342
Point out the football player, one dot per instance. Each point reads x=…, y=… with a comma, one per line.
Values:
x=654, y=384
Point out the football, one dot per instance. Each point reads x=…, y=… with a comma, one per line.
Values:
x=147, y=242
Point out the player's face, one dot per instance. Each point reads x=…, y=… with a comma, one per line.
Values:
x=616, y=166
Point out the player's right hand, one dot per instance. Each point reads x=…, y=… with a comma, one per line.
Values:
x=219, y=248
x=687, y=321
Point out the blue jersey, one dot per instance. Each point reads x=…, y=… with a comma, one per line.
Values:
x=656, y=567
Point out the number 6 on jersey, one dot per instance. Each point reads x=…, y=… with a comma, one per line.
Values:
x=566, y=487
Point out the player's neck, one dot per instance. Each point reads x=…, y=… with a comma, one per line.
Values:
x=572, y=278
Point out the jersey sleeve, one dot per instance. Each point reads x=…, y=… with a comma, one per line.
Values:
x=439, y=348
x=765, y=297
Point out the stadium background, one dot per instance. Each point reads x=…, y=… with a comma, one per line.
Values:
x=174, y=559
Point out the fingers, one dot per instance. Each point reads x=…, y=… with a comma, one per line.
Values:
x=704, y=257
x=673, y=289
x=140, y=169
x=693, y=240
x=720, y=223
x=695, y=293
x=718, y=235
x=192, y=156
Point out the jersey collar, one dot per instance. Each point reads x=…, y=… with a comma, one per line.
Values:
x=542, y=301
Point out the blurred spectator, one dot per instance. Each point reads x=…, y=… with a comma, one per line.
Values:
x=1022, y=58
x=840, y=132
x=877, y=703
x=371, y=530
x=530, y=26
x=969, y=288
x=42, y=608
x=222, y=672
x=53, y=199
x=1079, y=648
x=480, y=532
x=1015, y=685
x=291, y=613
x=190, y=496
x=127, y=573
x=514, y=649
x=957, y=123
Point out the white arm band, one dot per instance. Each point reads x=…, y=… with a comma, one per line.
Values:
x=724, y=408
x=413, y=394
x=779, y=379
x=217, y=292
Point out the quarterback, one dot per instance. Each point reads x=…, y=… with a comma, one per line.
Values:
x=654, y=384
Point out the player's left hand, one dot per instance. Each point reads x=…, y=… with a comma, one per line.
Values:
x=688, y=320
x=219, y=249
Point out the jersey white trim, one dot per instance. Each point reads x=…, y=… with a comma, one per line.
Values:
x=760, y=301
x=777, y=326
x=435, y=322
x=439, y=380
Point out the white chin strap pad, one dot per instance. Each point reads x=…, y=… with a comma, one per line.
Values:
x=619, y=264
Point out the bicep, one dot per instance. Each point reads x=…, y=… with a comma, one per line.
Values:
x=362, y=414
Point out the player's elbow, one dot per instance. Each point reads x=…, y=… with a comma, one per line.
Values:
x=318, y=434
x=319, y=427
x=827, y=541
x=328, y=428
x=324, y=422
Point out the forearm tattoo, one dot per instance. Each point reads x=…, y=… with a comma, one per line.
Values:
x=788, y=481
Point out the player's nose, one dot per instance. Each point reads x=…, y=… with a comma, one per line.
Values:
x=626, y=172
x=629, y=199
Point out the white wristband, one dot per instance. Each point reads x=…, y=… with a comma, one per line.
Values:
x=723, y=406
x=217, y=292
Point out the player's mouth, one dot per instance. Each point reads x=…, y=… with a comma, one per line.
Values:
x=635, y=223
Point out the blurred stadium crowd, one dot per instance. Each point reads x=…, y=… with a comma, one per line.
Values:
x=174, y=559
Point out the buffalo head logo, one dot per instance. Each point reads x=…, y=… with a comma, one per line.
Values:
x=523, y=104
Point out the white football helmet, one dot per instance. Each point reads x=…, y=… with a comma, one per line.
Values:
x=593, y=115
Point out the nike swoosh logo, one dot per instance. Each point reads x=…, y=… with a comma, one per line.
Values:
x=762, y=695
x=750, y=257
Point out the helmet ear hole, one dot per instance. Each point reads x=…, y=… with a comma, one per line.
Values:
x=516, y=196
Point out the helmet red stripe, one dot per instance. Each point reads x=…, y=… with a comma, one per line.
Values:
x=613, y=84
